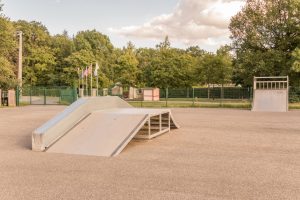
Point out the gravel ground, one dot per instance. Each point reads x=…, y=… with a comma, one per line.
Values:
x=216, y=154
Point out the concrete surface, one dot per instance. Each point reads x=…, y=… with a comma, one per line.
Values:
x=216, y=154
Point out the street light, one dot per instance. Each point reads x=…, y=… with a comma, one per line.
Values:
x=20, y=33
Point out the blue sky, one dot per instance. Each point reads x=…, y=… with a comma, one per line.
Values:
x=144, y=22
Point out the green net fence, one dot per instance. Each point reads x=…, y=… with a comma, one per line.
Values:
x=171, y=97
x=207, y=93
x=47, y=96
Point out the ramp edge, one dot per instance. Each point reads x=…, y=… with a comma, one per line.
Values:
x=124, y=143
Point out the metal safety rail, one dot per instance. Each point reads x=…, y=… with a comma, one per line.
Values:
x=271, y=83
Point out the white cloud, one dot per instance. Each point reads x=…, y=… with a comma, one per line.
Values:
x=193, y=22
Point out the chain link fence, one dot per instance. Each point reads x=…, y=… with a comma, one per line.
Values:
x=46, y=96
x=231, y=97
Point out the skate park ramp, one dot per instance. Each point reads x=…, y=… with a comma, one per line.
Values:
x=100, y=126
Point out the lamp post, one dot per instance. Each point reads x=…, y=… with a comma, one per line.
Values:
x=20, y=34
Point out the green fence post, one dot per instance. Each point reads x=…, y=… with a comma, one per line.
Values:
x=45, y=96
x=17, y=96
x=187, y=93
x=193, y=97
x=222, y=95
x=74, y=94
x=30, y=96
x=167, y=94
x=59, y=99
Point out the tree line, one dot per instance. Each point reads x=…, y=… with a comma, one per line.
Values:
x=265, y=42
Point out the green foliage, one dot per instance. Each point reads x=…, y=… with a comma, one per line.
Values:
x=7, y=52
x=126, y=69
x=38, y=56
x=7, y=38
x=296, y=60
x=264, y=34
x=91, y=47
x=167, y=67
x=7, y=76
x=224, y=67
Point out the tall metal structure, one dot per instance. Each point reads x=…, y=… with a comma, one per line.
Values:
x=271, y=94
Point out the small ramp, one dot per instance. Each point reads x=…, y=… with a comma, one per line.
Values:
x=104, y=129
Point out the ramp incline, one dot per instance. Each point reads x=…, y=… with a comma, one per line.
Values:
x=100, y=126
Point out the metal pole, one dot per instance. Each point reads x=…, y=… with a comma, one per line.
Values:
x=97, y=86
x=45, y=96
x=79, y=76
x=86, y=83
x=193, y=96
x=30, y=96
x=20, y=34
x=287, y=95
x=91, y=79
x=167, y=95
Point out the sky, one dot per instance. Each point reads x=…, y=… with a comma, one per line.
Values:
x=144, y=22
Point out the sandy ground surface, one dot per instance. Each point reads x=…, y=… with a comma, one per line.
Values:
x=216, y=154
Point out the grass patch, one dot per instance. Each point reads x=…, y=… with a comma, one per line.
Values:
x=24, y=104
x=294, y=105
x=191, y=104
x=180, y=103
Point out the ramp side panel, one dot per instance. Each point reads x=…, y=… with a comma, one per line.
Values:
x=99, y=134
x=58, y=125
x=270, y=100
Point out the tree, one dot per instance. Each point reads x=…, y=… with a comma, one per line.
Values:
x=169, y=67
x=207, y=69
x=1, y=5
x=62, y=46
x=7, y=38
x=79, y=59
x=99, y=46
x=7, y=54
x=264, y=34
x=296, y=58
x=38, y=56
x=296, y=66
x=126, y=67
x=224, y=68
x=7, y=76
x=195, y=51
x=165, y=44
